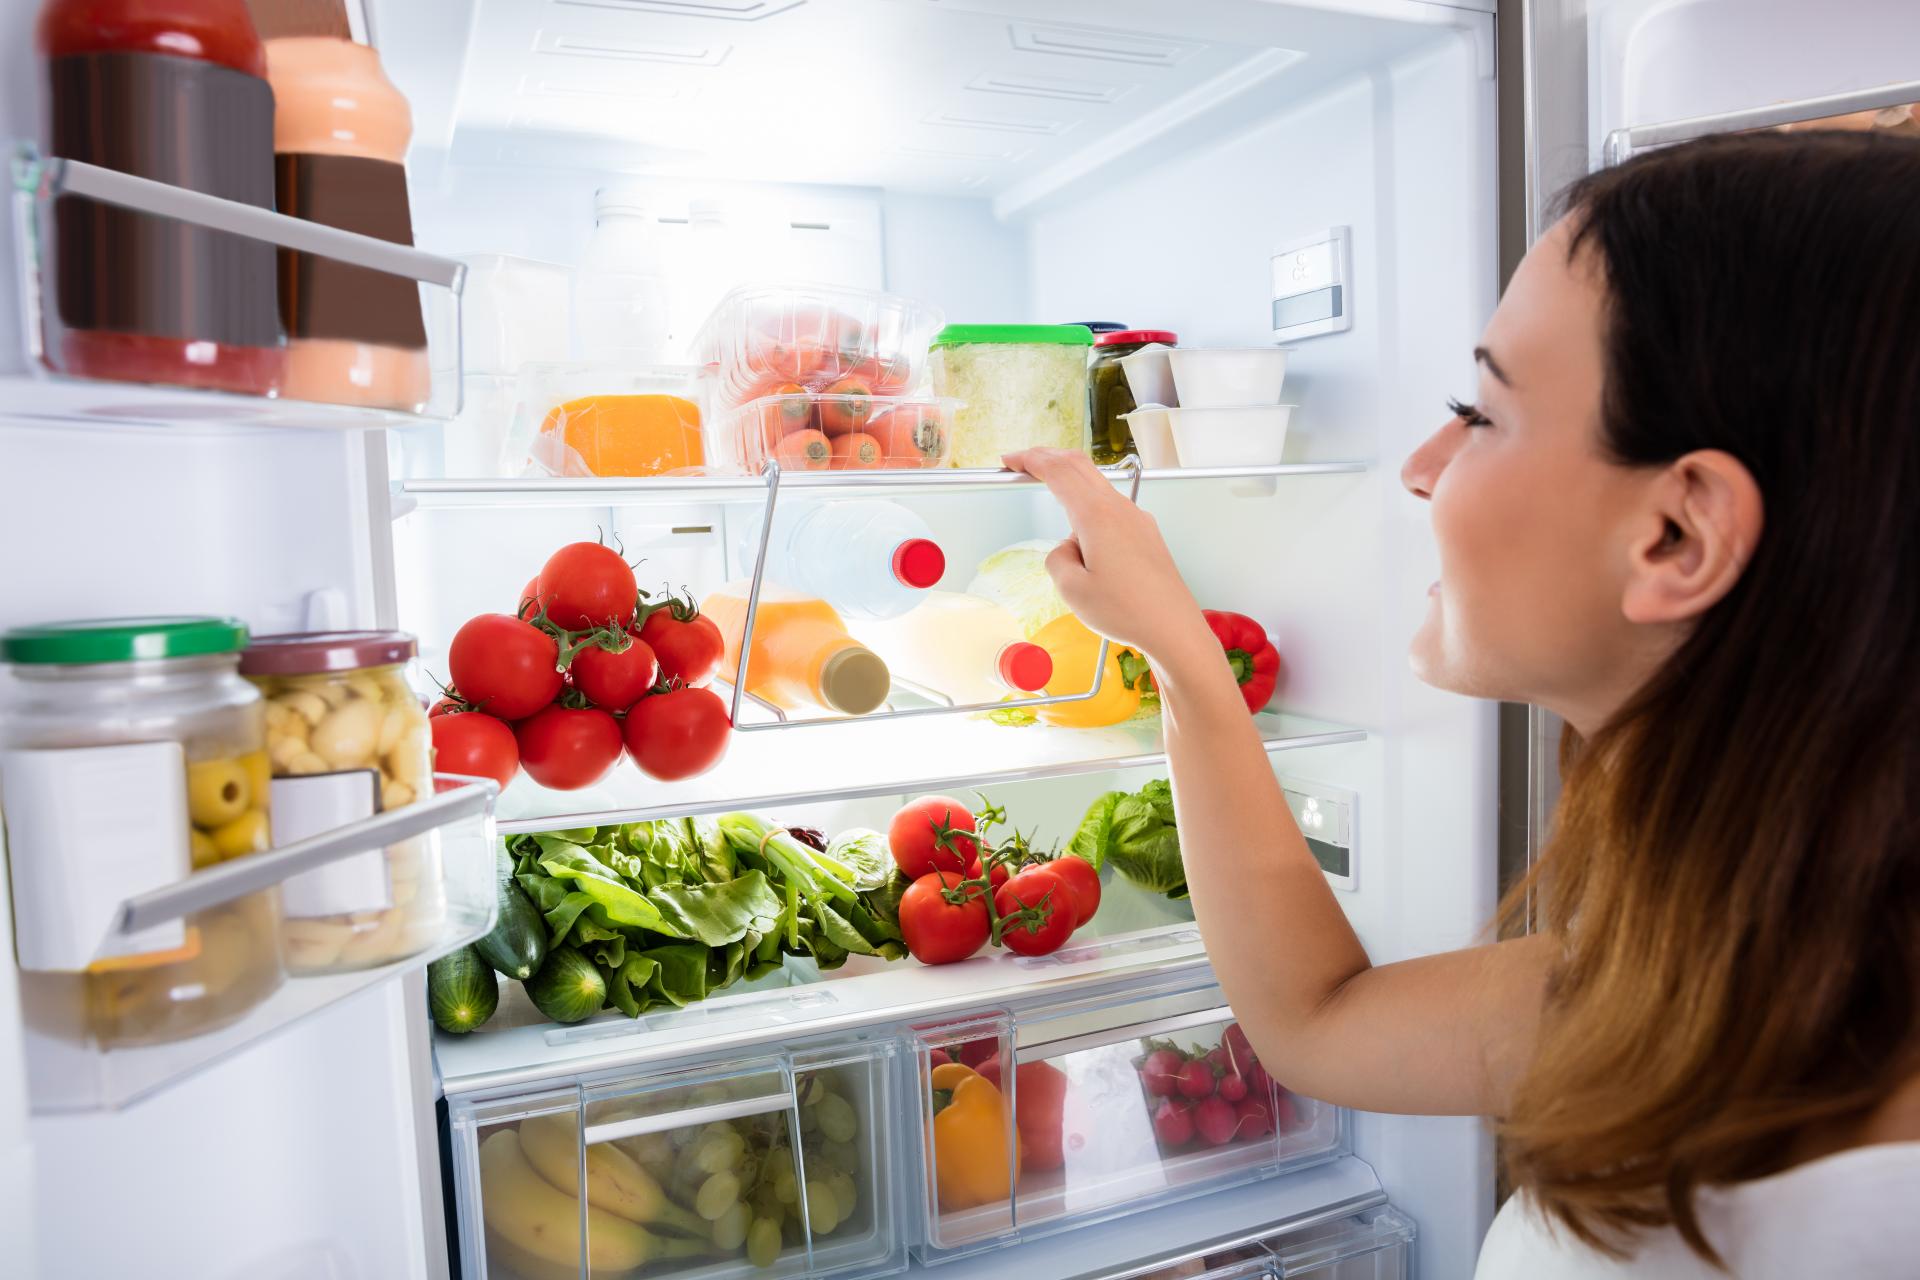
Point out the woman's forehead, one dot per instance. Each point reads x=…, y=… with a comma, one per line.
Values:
x=1547, y=337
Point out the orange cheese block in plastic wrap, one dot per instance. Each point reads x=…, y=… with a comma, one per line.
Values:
x=621, y=435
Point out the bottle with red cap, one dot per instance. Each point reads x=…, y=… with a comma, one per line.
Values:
x=868, y=559
x=961, y=647
x=1109, y=399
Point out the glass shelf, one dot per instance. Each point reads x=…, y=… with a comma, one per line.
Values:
x=851, y=760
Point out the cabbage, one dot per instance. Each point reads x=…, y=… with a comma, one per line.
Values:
x=1136, y=834
x=1017, y=395
x=1015, y=578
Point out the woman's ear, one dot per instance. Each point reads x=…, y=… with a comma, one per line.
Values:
x=1697, y=533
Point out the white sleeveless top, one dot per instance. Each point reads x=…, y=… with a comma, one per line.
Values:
x=1855, y=1214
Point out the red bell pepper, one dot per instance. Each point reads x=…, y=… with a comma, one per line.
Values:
x=1255, y=662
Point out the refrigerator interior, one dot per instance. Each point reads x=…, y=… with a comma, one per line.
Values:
x=1045, y=162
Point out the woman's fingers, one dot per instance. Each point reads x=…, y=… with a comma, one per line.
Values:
x=1072, y=478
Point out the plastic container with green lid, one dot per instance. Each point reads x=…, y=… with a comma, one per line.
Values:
x=1024, y=386
x=135, y=755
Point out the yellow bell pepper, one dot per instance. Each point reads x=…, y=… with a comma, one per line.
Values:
x=970, y=1144
x=1074, y=648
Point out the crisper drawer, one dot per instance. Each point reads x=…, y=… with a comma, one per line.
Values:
x=1376, y=1244
x=778, y=1166
x=1111, y=1109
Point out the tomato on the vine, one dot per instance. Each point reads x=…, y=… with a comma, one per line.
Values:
x=475, y=745
x=1049, y=912
x=678, y=733
x=587, y=584
x=1082, y=881
x=686, y=642
x=938, y=931
x=567, y=748
x=995, y=875
x=503, y=666
x=933, y=833
x=615, y=680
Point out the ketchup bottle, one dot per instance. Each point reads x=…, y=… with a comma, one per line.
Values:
x=176, y=91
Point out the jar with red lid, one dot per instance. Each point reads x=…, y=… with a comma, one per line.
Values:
x=1109, y=399
x=346, y=739
x=175, y=91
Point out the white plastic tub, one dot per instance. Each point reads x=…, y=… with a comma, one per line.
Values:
x=1153, y=436
x=1150, y=376
x=1215, y=377
x=1230, y=436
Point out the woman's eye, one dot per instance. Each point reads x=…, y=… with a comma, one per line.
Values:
x=1469, y=414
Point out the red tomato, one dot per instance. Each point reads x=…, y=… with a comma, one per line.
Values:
x=688, y=647
x=926, y=835
x=1038, y=888
x=1082, y=881
x=1039, y=1107
x=678, y=734
x=567, y=748
x=503, y=666
x=849, y=407
x=529, y=603
x=997, y=877
x=475, y=745
x=615, y=681
x=938, y=931
x=445, y=707
x=585, y=584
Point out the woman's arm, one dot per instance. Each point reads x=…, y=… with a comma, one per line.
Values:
x=1442, y=1034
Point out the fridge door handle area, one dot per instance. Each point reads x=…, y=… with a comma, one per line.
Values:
x=1625, y=143
x=691, y=1117
x=1055, y=1048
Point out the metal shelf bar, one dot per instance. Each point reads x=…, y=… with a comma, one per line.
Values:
x=1622, y=144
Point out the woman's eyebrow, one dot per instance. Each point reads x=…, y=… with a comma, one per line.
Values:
x=1485, y=357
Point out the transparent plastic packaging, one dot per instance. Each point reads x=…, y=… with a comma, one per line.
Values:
x=808, y=431
x=763, y=338
x=605, y=420
x=1022, y=387
x=867, y=558
x=355, y=728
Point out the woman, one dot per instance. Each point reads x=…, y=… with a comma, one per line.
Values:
x=1681, y=514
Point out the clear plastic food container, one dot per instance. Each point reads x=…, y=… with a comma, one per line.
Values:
x=605, y=420
x=806, y=431
x=348, y=739
x=843, y=341
x=134, y=756
x=1023, y=386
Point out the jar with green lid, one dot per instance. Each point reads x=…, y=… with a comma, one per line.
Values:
x=1109, y=398
x=347, y=739
x=134, y=755
x=1024, y=386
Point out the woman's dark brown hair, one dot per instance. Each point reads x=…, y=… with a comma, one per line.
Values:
x=1735, y=867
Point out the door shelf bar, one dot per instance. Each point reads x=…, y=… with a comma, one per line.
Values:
x=1623, y=144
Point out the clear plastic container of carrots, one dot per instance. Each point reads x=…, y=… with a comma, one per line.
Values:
x=595, y=420
x=807, y=431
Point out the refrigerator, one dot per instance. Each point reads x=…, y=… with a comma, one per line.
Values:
x=1351, y=179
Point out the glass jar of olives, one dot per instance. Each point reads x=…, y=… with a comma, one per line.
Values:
x=84, y=697
x=348, y=738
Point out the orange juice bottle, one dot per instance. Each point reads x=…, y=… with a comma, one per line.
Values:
x=802, y=655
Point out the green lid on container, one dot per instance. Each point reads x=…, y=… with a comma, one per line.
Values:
x=1052, y=335
x=123, y=640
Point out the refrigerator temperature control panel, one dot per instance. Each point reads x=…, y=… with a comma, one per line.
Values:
x=1327, y=817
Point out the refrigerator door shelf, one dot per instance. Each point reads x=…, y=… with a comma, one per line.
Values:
x=773, y=1166
x=365, y=384
x=70, y=1069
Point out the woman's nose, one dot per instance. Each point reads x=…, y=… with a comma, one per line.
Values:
x=1421, y=471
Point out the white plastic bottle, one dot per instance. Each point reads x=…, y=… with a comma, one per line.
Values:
x=963, y=647
x=868, y=558
x=620, y=307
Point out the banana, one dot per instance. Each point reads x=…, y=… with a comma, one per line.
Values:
x=536, y=1218
x=615, y=1181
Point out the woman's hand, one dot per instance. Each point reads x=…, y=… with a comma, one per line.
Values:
x=1115, y=571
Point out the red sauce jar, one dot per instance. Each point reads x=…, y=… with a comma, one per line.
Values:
x=175, y=91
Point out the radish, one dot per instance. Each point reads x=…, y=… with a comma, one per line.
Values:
x=1173, y=1123
x=1196, y=1080
x=1216, y=1121
x=1233, y=1087
x=1161, y=1072
x=1252, y=1119
x=1239, y=1048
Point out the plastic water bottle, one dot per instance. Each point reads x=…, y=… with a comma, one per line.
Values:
x=620, y=290
x=868, y=559
x=968, y=649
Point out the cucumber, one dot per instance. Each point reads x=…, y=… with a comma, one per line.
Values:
x=567, y=988
x=517, y=943
x=461, y=991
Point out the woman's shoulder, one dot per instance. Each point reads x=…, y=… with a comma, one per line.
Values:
x=1855, y=1213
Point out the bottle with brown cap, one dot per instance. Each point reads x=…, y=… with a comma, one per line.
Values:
x=802, y=656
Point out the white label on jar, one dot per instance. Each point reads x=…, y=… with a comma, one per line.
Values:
x=88, y=828
x=308, y=806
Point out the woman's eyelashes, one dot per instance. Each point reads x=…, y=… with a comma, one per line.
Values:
x=1469, y=414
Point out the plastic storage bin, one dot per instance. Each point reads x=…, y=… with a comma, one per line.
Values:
x=347, y=739
x=806, y=431
x=763, y=337
x=773, y=1167
x=1374, y=1245
x=1097, y=1119
x=1023, y=386
x=604, y=420
x=516, y=312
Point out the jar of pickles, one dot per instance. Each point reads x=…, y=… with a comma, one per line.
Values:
x=347, y=739
x=134, y=756
x=1109, y=398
